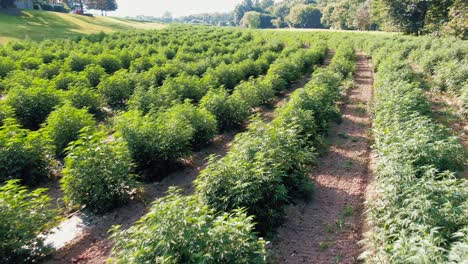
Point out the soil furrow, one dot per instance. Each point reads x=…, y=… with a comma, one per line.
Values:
x=328, y=229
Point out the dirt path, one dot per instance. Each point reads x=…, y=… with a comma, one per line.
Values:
x=328, y=229
x=93, y=245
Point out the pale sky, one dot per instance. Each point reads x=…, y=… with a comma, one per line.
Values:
x=176, y=7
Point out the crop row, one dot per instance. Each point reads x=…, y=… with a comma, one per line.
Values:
x=418, y=207
x=264, y=170
x=98, y=171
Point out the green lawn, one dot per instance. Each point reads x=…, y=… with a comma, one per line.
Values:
x=38, y=25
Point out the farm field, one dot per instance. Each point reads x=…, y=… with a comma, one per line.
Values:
x=41, y=25
x=195, y=144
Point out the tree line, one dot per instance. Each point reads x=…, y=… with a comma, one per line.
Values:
x=438, y=17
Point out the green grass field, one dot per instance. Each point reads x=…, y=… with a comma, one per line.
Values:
x=39, y=25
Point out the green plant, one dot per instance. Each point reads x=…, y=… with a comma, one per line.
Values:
x=155, y=139
x=229, y=111
x=6, y=65
x=202, y=121
x=33, y=105
x=94, y=73
x=116, y=89
x=97, y=173
x=24, y=155
x=25, y=217
x=78, y=62
x=184, y=230
x=109, y=62
x=64, y=124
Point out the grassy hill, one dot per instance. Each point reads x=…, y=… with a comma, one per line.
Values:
x=38, y=25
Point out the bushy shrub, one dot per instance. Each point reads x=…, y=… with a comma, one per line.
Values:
x=65, y=80
x=116, y=89
x=30, y=63
x=97, y=173
x=5, y=112
x=263, y=169
x=33, y=105
x=64, y=124
x=230, y=112
x=225, y=75
x=155, y=139
x=84, y=97
x=24, y=155
x=109, y=62
x=25, y=216
x=78, y=62
x=49, y=71
x=141, y=64
x=184, y=230
x=94, y=74
x=176, y=90
x=202, y=121
x=6, y=65
x=253, y=92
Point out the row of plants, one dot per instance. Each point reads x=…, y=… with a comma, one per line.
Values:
x=264, y=170
x=418, y=208
x=99, y=172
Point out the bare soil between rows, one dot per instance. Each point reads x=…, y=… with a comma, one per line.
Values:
x=93, y=244
x=329, y=228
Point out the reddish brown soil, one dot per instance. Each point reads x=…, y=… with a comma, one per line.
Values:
x=328, y=229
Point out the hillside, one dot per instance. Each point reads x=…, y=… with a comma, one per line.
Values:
x=38, y=25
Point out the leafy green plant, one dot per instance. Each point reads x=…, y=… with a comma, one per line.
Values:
x=6, y=65
x=64, y=124
x=24, y=155
x=184, y=230
x=33, y=105
x=202, y=121
x=116, y=89
x=109, y=62
x=155, y=139
x=97, y=173
x=25, y=217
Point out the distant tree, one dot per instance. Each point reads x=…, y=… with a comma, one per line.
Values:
x=7, y=3
x=407, y=15
x=458, y=24
x=346, y=14
x=304, y=16
x=103, y=5
x=251, y=19
x=265, y=4
x=241, y=9
x=167, y=17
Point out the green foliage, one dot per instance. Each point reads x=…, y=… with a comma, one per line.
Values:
x=202, y=121
x=116, y=89
x=251, y=19
x=84, y=97
x=33, y=105
x=64, y=124
x=78, y=62
x=229, y=111
x=304, y=16
x=155, y=139
x=6, y=65
x=109, y=62
x=97, y=173
x=24, y=155
x=184, y=230
x=94, y=74
x=25, y=215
